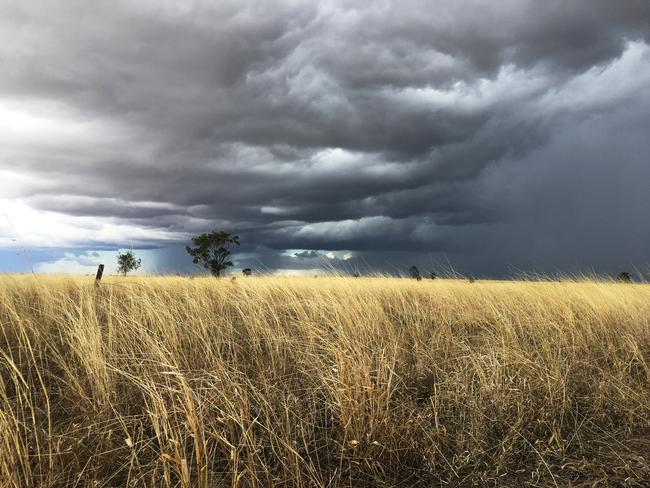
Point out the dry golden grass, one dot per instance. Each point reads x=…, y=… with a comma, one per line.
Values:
x=323, y=382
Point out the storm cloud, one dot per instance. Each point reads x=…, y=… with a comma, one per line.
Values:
x=494, y=135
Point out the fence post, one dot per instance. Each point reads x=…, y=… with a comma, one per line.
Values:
x=98, y=276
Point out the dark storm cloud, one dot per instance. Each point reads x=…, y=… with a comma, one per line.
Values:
x=307, y=254
x=406, y=126
x=110, y=207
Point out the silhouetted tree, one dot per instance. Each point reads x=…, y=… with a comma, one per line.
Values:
x=127, y=261
x=433, y=275
x=247, y=271
x=212, y=250
x=415, y=273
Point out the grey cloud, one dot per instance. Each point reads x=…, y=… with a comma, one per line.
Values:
x=104, y=207
x=371, y=127
x=307, y=254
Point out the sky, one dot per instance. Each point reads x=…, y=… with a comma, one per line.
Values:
x=489, y=137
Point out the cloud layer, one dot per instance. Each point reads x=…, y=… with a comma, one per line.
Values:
x=501, y=134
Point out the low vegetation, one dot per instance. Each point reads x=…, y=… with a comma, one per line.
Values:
x=323, y=382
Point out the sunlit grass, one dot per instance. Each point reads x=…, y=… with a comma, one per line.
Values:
x=269, y=381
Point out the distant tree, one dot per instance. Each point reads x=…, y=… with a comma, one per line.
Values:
x=433, y=275
x=471, y=279
x=415, y=273
x=212, y=250
x=247, y=271
x=624, y=277
x=127, y=262
x=356, y=275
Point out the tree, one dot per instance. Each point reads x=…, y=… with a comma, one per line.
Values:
x=212, y=250
x=624, y=277
x=433, y=275
x=415, y=273
x=247, y=271
x=127, y=261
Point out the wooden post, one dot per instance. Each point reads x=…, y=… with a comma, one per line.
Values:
x=100, y=272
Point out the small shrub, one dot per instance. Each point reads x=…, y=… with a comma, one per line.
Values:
x=624, y=277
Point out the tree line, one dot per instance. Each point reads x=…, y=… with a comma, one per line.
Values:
x=213, y=251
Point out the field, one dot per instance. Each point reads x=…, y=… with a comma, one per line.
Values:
x=323, y=382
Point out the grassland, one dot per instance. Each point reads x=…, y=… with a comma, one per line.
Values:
x=323, y=382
